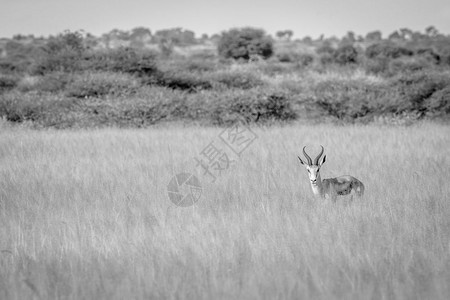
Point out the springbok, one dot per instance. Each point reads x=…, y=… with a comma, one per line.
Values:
x=333, y=187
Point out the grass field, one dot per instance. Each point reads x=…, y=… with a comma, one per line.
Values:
x=85, y=214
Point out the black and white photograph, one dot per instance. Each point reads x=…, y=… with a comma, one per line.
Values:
x=237, y=149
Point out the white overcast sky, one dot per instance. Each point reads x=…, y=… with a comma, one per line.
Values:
x=304, y=17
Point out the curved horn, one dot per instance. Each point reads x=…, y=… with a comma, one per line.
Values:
x=307, y=157
x=316, y=160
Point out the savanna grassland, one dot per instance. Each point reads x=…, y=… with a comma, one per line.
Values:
x=93, y=129
x=84, y=214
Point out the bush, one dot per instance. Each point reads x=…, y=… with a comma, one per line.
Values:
x=40, y=108
x=326, y=54
x=17, y=57
x=275, y=107
x=123, y=60
x=99, y=84
x=182, y=81
x=417, y=89
x=391, y=67
x=346, y=54
x=326, y=59
x=271, y=67
x=325, y=49
x=7, y=83
x=350, y=100
x=237, y=79
x=149, y=106
x=439, y=102
x=199, y=65
x=191, y=64
x=62, y=53
x=245, y=43
x=303, y=59
x=285, y=57
x=388, y=50
x=248, y=106
x=19, y=108
x=429, y=55
x=445, y=57
x=166, y=47
x=408, y=65
x=9, y=67
x=52, y=82
x=379, y=65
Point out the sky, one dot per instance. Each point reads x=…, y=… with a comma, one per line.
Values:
x=304, y=17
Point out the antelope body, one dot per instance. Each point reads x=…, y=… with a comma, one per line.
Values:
x=331, y=187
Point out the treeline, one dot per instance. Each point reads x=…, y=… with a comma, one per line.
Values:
x=244, y=75
x=140, y=37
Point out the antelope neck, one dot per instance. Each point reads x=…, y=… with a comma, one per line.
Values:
x=317, y=187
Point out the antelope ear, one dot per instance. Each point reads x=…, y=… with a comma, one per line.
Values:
x=301, y=161
x=323, y=160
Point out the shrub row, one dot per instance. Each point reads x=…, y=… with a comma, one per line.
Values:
x=100, y=83
x=147, y=107
x=421, y=94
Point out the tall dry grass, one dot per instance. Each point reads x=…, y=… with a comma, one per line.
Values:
x=85, y=214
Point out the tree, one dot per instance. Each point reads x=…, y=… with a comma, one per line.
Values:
x=70, y=41
x=140, y=33
x=307, y=40
x=119, y=34
x=349, y=38
x=346, y=54
x=431, y=31
x=166, y=46
x=204, y=37
x=387, y=50
x=176, y=36
x=284, y=34
x=395, y=36
x=19, y=37
x=245, y=43
x=61, y=53
x=140, y=36
x=374, y=36
x=289, y=33
x=406, y=33
x=215, y=38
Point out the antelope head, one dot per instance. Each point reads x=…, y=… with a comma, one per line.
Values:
x=313, y=168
